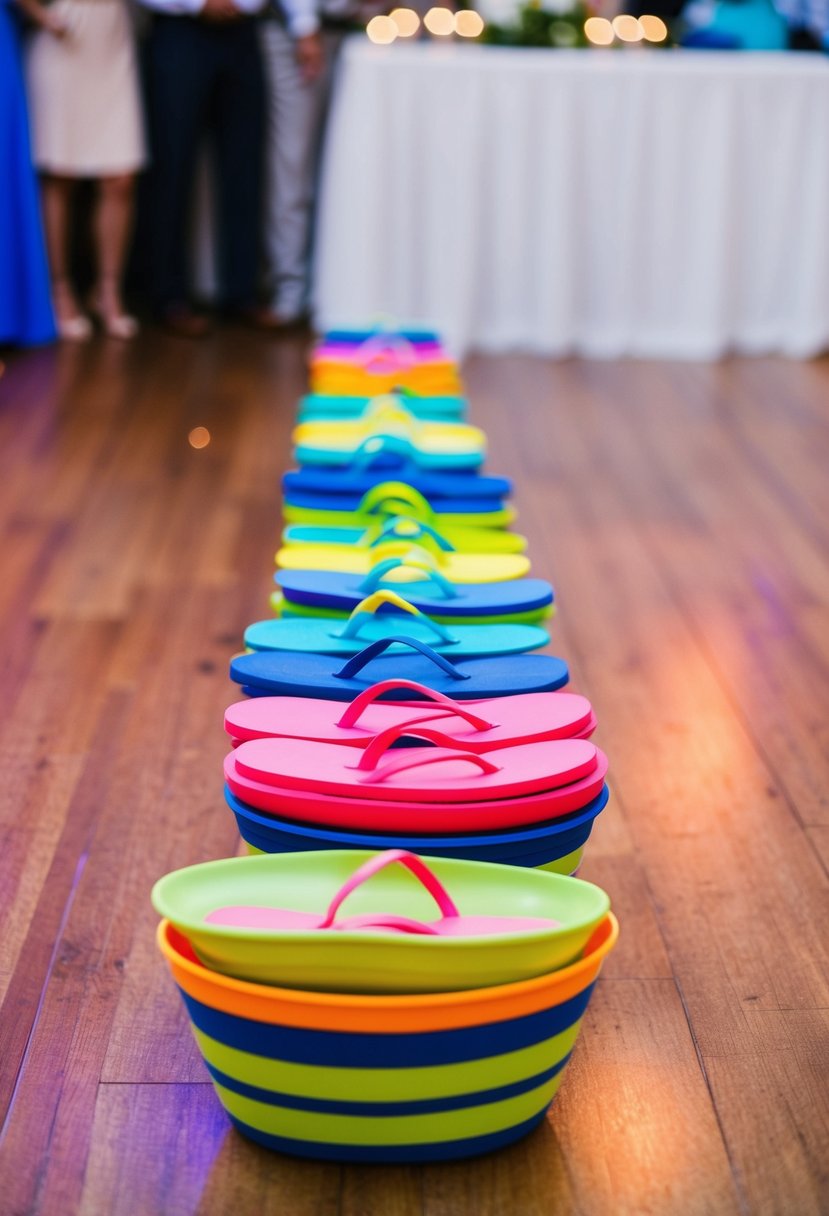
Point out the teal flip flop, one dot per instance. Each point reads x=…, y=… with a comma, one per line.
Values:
x=318, y=635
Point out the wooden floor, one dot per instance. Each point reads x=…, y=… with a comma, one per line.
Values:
x=683, y=513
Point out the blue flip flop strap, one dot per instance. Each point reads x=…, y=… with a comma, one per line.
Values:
x=378, y=572
x=359, y=661
x=380, y=445
x=420, y=530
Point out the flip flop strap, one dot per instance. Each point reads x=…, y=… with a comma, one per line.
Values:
x=419, y=757
x=408, y=561
x=378, y=445
x=354, y=711
x=379, y=862
x=416, y=531
x=359, y=661
x=366, y=611
x=379, y=497
x=381, y=743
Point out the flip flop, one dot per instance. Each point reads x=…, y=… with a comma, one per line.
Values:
x=434, y=409
x=314, y=443
x=393, y=941
x=335, y=509
x=317, y=675
x=443, y=773
x=538, y=844
x=451, y=922
x=381, y=352
x=393, y=815
x=463, y=540
x=456, y=567
x=288, y=609
x=411, y=493
x=481, y=726
x=429, y=590
x=320, y=636
x=416, y=337
x=429, y=378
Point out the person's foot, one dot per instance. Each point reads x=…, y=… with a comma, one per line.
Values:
x=183, y=321
x=107, y=307
x=72, y=325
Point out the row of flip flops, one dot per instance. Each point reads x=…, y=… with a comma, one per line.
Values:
x=454, y=779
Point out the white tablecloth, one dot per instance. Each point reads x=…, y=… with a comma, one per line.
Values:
x=666, y=204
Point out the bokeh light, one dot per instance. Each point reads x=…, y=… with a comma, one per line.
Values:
x=440, y=21
x=627, y=28
x=468, y=23
x=653, y=28
x=199, y=437
x=599, y=31
x=381, y=30
x=406, y=20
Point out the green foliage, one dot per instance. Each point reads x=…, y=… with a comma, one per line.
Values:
x=536, y=27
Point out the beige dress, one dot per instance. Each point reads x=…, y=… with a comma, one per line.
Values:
x=84, y=101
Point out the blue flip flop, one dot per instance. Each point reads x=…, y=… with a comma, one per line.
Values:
x=354, y=483
x=356, y=337
x=431, y=593
x=321, y=635
x=315, y=675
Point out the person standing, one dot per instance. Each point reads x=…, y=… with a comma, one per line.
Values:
x=86, y=123
x=300, y=41
x=205, y=82
x=26, y=317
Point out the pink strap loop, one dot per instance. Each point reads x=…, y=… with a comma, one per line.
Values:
x=361, y=702
x=381, y=743
x=371, y=867
x=401, y=761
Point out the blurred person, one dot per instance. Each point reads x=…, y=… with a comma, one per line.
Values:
x=86, y=123
x=205, y=79
x=300, y=43
x=25, y=306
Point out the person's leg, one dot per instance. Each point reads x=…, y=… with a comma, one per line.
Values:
x=179, y=81
x=239, y=135
x=56, y=201
x=113, y=226
x=295, y=112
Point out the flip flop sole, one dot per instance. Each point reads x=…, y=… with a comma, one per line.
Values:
x=427, y=818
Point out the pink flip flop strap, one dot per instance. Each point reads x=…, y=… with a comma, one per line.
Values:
x=402, y=761
x=373, y=866
x=361, y=702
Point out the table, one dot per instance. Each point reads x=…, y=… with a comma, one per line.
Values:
x=654, y=204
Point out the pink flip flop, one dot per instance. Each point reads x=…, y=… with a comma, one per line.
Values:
x=415, y=817
x=450, y=924
x=446, y=772
x=481, y=726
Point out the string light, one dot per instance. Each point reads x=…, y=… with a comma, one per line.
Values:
x=627, y=28
x=199, y=437
x=599, y=31
x=381, y=30
x=654, y=29
x=406, y=20
x=440, y=21
x=468, y=23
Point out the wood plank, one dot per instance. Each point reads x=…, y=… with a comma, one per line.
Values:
x=169, y=1150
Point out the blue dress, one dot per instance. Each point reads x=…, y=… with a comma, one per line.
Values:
x=26, y=317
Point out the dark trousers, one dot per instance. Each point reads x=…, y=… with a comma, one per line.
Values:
x=205, y=83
